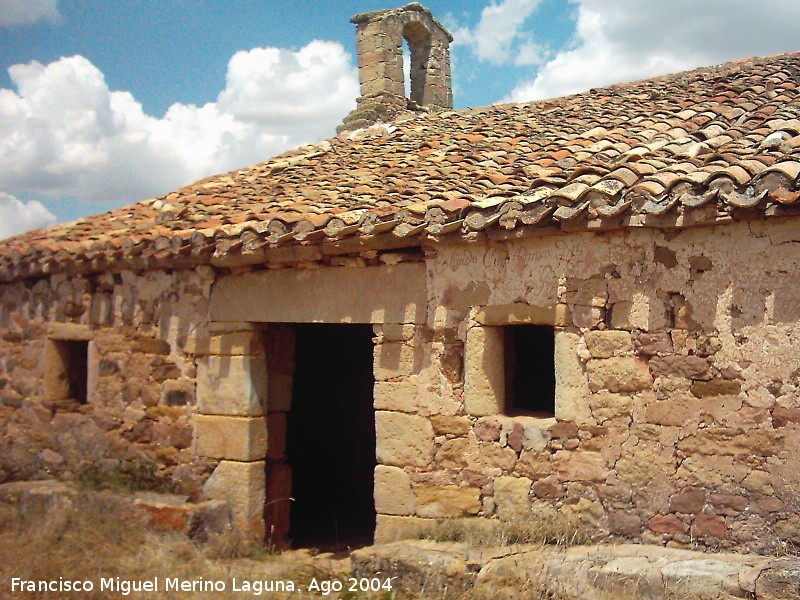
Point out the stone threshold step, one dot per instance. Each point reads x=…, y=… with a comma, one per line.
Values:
x=579, y=572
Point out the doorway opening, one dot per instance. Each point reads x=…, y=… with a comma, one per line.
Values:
x=330, y=437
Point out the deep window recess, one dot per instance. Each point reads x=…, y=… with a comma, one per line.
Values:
x=74, y=355
x=530, y=370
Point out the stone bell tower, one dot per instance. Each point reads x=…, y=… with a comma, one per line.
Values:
x=379, y=39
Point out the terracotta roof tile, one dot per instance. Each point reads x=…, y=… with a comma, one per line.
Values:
x=693, y=148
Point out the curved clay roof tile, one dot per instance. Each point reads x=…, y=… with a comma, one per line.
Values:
x=728, y=135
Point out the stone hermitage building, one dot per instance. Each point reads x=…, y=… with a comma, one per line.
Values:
x=585, y=307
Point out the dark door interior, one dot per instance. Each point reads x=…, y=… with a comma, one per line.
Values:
x=331, y=437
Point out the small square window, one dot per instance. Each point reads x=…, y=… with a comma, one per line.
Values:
x=70, y=374
x=530, y=379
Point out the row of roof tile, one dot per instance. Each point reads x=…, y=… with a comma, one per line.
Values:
x=703, y=146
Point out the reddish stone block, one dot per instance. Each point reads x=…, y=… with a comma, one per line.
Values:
x=487, y=430
x=548, y=489
x=716, y=387
x=709, y=526
x=516, y=437
x=690, y=367
x=783, y=416
x=728, y=504
x=563, y=430
x=474, y=478
x=671, y=524
x=624, y=523
x=689, y=501
x=653, y=343
x=768, y=504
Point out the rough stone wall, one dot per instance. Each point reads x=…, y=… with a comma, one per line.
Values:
x=677, y=414
x=141, y=391
x=675, y=359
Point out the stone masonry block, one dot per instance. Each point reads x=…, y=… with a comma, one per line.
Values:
x=520, y=313
x=512, y=497
x=715, y=387
x=690, y=501
x=446, y=501
x=55, y=381
x=484, y=372
x=242, y=486
x=571, y=393
x=219, y=327
x=396, y=395
x=385, y=294
x=92, y=372
x=654, y=343
x=367, y=58
x=669, y=412
x=232, y=385
x=101, y=310
x=391, y=528
x=239, y=343
x=394, y=332
x=393, y=495
x=671, y=524
x=625, y=523
x=148, y=345
x=709, y=525
x=393, y=359
x=691, y=367
x=587, y=316
x=450, y=425
x=403, y=439
x=580, y=466
x=605, y=406
x=232, y=438
x=605, y=344
x=618, y=374
x=69, y=331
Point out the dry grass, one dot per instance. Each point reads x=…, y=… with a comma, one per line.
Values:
x=79, y=539
x=556, y=531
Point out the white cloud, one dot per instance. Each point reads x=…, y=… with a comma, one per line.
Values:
x=17, y=216
x=627, y=40
x=24, y=12
x=530, y=54
x=282, y=90
x=499, y=28
x=64, y=133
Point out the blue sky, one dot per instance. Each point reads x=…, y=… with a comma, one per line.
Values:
x=104, y=103
x=167, y=51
